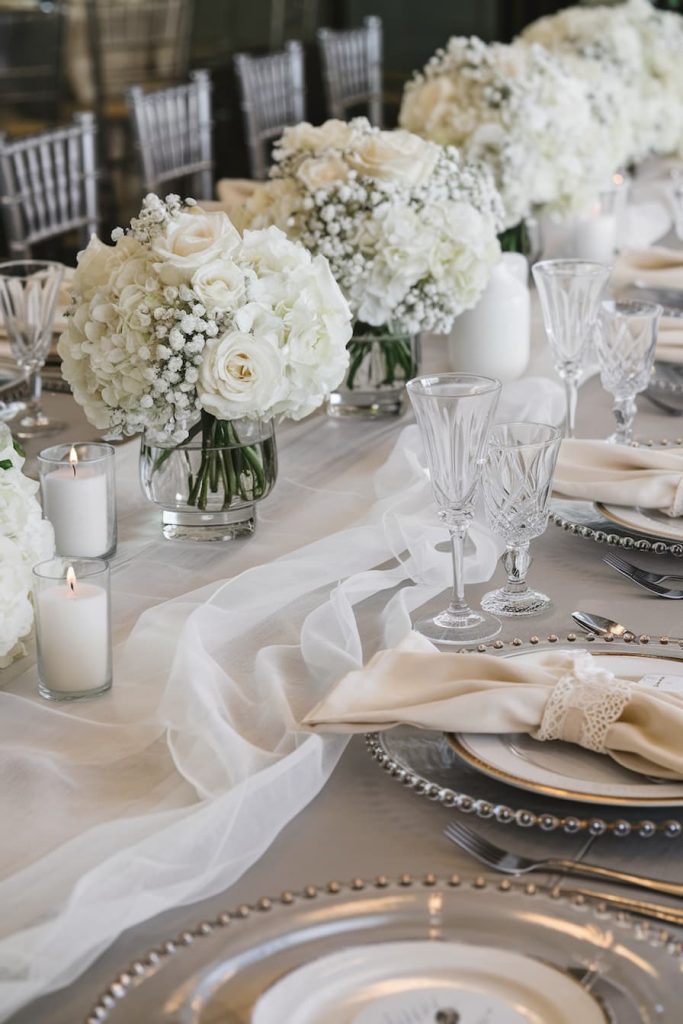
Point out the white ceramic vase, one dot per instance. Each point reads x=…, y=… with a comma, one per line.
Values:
x=493, y=338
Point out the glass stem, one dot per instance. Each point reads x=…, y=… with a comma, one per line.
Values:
x=516, y=562
x=458, y=534
x=571, y=386
x=35, y=388
x=624, y=413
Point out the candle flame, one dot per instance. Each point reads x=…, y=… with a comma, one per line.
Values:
x=618, y=179
x=71, y=579
x=73, y=458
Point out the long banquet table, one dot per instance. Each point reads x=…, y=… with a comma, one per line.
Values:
x=362, y=823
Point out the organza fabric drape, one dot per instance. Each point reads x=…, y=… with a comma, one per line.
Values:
x=167, y=790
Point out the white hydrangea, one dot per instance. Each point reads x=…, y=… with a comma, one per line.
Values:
x=632, y=54
x=25, y=539
x=408, y=229
x=182, y=315
x=542, y=130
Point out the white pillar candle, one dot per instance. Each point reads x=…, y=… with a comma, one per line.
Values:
x=595, y=237
x=77, y=502
x=73, y=636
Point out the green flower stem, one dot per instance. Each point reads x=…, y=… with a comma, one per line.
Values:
x=227, y=468
x=396, y=353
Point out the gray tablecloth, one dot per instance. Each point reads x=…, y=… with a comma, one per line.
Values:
x=363, y=823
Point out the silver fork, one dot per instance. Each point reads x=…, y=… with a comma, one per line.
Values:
x=512, y=864
x=636, y=573
x=644, y=579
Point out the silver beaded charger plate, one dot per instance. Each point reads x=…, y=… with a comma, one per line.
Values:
x=666, y=387
x=628, y=971
x=428, y=764
x=609, y=525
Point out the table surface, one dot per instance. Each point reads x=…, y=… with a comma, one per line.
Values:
x=363, y=823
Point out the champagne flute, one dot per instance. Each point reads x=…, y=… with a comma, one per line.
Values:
x=454, y=413
x=570, y=292
x=29, y=290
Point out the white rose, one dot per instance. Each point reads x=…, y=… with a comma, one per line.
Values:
x=272, y=202
x=16, y=610
x=395, y=156
x=240, y=375
x=318, y=172
x=95, y=264
x=192, y=239
x=269, y=250
x=219, y=285
x=427, y=108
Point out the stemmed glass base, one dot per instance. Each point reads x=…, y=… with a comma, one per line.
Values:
x=508, y=602
x=35, y=426
x=459, y=626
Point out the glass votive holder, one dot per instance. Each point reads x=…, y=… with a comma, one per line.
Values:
x=78, y=488
x=73, y=627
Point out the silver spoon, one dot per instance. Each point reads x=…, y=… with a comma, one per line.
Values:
x=601, y=626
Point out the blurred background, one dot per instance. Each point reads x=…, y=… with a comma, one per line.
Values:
x=80, y=58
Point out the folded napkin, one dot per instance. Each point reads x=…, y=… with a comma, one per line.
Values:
x=59, y=322
x=658, y=267
x=560, y=695
x=232, y=195
x=621, y=475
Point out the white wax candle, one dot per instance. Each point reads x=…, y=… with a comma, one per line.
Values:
x=75, y=502
x=73, y=625
x=595, y=238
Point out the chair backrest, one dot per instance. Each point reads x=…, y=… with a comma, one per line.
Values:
x=31, y=60
x=352, y=69
x=292, y=19
x=145, y=42
x=172, y=130
x=272, y=97
x=48, y=185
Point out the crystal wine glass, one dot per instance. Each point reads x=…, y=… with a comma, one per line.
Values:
x=625, y=342
x=29, y=290
x=517, y=480
x=454, y=413
x=570, y=292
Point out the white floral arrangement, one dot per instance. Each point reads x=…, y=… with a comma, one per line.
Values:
x=633, y=51
x=541, y=129
x=183, y=316
x=25, y=539
x=408, y=228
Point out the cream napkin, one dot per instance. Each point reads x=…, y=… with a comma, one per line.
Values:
x=59, y=322
x=657, y=267
x=620, y=475
x=558, y=695
x=232, y=195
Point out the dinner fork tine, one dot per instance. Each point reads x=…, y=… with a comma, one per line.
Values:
x=512, y=864
x=635, y=572
x=651, y=587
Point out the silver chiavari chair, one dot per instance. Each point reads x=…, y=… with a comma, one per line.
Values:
x=31, y=67
x=292, y=19
x=48, y=185
x=143, y=43
x=352, y=69
x=172, y=130
x=272, y=97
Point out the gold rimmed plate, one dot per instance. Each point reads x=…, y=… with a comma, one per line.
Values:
x=565, y=771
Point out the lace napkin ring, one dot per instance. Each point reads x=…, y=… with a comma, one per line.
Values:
x=583, y=704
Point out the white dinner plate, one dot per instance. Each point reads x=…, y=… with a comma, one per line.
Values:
x=570, y=772
x=644, y=520
x=399, y=982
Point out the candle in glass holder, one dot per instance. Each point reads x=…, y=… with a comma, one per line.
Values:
x=73, y=634
x=78, y=489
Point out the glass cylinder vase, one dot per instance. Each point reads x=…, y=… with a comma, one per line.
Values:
x=381, y=362
x=208, y=485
